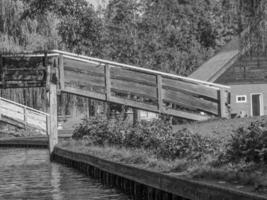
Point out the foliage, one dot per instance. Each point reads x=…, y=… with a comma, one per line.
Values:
x=168, y=35
x=99, y=131
x=249, y=144
x=156, y=136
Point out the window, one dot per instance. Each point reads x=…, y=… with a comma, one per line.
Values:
x=241, y=98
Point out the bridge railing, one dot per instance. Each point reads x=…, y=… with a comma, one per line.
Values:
x=23, y=116
x=109, y=81
x=142, y=88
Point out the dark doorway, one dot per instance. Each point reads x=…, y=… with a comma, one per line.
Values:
x=256, y=104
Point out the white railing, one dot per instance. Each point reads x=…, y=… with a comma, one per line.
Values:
x=21, y=115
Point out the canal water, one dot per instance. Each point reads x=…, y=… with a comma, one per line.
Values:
x=28, y=174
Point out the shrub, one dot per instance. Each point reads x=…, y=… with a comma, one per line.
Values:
x=156, y=136
x=249, y=144
x=99, y=131
x=185, y=144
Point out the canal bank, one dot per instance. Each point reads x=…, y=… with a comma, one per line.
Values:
x=145, y=184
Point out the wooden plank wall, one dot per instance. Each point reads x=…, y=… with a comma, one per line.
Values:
x=246, y=70
x=143, y=90
x=23, y=115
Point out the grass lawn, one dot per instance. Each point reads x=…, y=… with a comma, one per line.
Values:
x=219, y=127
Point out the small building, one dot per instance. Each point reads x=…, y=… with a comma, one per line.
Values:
x=244, y=71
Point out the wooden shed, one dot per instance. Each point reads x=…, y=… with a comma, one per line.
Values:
x=245, y=71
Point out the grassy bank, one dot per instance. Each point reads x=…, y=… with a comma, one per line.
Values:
x=240, y=158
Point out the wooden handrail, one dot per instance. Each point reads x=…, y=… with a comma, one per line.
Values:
x=29, y=55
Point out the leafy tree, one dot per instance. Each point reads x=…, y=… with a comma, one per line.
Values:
x=121, y=19
x=79, y=26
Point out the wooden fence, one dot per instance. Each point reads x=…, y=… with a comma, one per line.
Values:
x=23, y=116
x=132, y=86
x=142, y=88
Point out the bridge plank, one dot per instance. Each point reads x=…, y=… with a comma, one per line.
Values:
x=84, y=93
x=135, y=88
x=90, y=67
x=201, y=90
x=134, y=104
x=190, y=101
x=133, y=76
x=186, y=115
x=84, y=78
x=85, y=87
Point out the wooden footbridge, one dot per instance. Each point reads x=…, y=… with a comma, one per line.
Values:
x=109, y=81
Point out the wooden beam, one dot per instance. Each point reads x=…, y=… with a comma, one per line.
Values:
x=134, y=104
x=53, y=137
x=186, y=115
x=133, y=76
x=85, y=93
x=25, y=116
x=159, y=96
x=134, y=88
x=3, y=71
x=52, y=110
x=196, y=89
x=223, y=95
x=107, y=82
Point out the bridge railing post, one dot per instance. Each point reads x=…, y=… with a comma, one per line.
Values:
x=224, y=103
x=61, y=71
x=51, y=87
x=53, y=137
x=108, y=90
x=159, y=93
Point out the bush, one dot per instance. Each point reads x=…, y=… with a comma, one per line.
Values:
x=185, y=144
x=249, y=144
x=100, y=131
x=156, y=136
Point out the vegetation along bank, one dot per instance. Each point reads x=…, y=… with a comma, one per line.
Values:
x=238, y=158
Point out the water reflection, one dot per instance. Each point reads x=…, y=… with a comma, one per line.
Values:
x=28, y=174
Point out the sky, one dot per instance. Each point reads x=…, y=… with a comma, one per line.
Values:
x=96, y=3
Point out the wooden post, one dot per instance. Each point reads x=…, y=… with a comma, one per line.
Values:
x=25, y=117
x=136, y=116
x=108, y=82
x=224, y=113
x=53, y=137
x=61, y=72
x=51, y=87
x=159, y=88
x=3, y=71
x=108, y=90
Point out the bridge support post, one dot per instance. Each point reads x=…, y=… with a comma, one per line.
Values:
x=52, y=108
x=53, y=136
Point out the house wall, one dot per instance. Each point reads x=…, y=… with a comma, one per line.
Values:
x=247, y=89
x=246, y=70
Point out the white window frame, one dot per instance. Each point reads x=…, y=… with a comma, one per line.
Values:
x=241, y=96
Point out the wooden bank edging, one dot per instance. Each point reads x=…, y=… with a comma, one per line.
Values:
x=189, y=189
x=24, y=142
